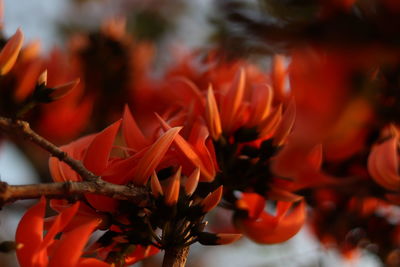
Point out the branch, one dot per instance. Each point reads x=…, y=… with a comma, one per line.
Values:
x=22, y=127
x=11, y=193
x=175, y=256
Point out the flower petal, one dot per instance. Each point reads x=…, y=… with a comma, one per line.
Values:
x=30, y=233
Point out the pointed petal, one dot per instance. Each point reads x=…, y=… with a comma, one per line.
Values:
x=30, y=233
x=192, y=181
x=10, y=51
x=253, y=203
x=261, y=103
x=278, y=76
x=231, y=102
x=271, y=123
x=155, y=185
x=28, y=81
x=286, y=125
x=187, y=150
x=98, y=152
x=63, y=89
x=212, y=200
x=154, y=155
x=212, y=115
x=133, y=136
x=172, y=189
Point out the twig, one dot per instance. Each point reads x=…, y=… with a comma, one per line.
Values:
x=11, y=193
x=22, y=127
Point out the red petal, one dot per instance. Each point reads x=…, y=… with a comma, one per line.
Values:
x=70, y=247
x=133, y=136
x=30, y=233
x=98, y=152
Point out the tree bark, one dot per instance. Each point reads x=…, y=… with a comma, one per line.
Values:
x=175, y=256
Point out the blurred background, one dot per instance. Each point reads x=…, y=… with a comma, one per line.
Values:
x=254, y=30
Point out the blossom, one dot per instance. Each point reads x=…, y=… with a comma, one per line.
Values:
x=261, y=226
x=37, y=249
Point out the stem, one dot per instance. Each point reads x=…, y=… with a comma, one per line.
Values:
x=10, y=193
x=23, y=128
x=175, y=256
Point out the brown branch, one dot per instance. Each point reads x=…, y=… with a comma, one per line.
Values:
x=175, y=256
x=11, y=193
x=91, y=184
x=22, y=127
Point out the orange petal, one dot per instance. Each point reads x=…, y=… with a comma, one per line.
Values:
x=231, y=102
x=383, y=164
x=154, y=155
x=28, y=81
x=278, y=76
x=187, y=150
x=212, y=115
x=271, y=123
x=261, y=104
x=269, y=229
x=155, y=185
x=212, y=199
x=172, y=188
x=286, y=125
x=192, y=181
x=10, y=51
x=98, y=152
x=30, y=233
x=253, y=203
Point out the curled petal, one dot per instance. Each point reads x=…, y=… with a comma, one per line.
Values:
x=383, y=164
x=268, y=229
x=10, y=51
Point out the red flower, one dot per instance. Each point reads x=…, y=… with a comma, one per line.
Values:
x=265, y=228
x=41, y=250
